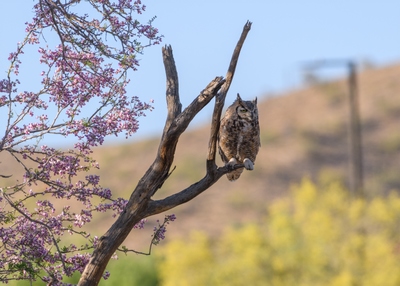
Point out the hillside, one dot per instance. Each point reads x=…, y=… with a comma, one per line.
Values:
x=303, y=133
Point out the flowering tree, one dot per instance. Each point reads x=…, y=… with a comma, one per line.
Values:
x=83, y=94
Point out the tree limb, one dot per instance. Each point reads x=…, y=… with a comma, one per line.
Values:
x=159, y=206
x=154, y=177
x=220, y=98
x=172, y=94
x=140, y=204
x=213, y=173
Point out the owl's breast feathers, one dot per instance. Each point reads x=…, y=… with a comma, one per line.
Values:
x=238, y=139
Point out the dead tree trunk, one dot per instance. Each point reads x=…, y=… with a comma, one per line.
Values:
x=140, y=204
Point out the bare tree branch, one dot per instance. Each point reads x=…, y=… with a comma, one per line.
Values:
x=220, y=98
x=173, y=103
x=212, y=176
x=147, y=186
x=140, y=204
x=213, y=173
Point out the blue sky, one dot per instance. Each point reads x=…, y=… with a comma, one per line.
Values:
x=284, y=35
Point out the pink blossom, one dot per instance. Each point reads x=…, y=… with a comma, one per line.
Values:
x=82, y=70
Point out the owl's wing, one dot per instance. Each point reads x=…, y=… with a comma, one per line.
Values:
x=221, y=139
x=258, y=134
x=222, y=154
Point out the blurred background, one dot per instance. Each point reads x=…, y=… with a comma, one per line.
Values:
x=298, y=218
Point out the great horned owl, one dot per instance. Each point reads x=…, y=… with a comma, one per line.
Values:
x=239, y=136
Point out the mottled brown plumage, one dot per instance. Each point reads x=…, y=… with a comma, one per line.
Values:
x=239, y=136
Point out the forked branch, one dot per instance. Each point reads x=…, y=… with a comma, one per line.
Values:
x=140, y=204
x=213, y=173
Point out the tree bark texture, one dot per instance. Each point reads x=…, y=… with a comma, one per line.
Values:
x=140, y=204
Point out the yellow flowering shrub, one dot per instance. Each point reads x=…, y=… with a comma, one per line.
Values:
x=187, y=262
x=316, y=236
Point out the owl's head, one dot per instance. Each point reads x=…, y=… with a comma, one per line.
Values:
x=246, y=109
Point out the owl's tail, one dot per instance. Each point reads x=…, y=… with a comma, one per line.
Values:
x=234, y=175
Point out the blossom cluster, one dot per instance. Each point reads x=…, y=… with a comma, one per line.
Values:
x=159, y=232
x=82, y=94
x=157, y=236
x=33, y=235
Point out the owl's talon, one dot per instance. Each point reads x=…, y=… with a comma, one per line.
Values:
x=232, y=162
x=248, y=164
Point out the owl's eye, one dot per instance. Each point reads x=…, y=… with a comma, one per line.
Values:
x=242, y=110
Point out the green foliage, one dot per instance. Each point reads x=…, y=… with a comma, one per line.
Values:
x=129, y=270
x=317, y=236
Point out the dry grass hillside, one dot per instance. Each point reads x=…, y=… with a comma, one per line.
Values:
x=303, y=133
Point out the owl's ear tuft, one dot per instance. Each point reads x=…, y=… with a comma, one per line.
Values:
x=238, y=98
x=255, y=100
